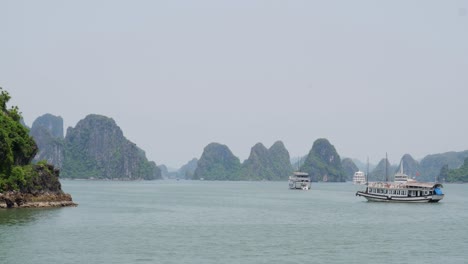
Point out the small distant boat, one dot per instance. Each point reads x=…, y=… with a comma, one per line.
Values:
x=401, y=177
x=325, y=178
x=359, y=177
x=299, y=181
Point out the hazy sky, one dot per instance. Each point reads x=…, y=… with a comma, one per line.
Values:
x=370, y=76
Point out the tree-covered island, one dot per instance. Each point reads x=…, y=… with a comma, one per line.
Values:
x=23, y=184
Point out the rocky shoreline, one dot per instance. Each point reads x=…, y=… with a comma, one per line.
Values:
x=26, y=200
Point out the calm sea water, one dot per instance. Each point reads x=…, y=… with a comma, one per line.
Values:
x=234, y=222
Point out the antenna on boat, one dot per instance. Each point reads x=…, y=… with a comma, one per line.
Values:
x=386, y=169
x=367, y=174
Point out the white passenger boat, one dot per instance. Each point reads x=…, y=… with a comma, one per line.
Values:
x=299, y=180
x=408, y=192
x=359, y=177
x=401, y=177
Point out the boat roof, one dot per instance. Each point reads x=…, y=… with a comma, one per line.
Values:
x=423, y=184
x=405, y=184
x=298, y=173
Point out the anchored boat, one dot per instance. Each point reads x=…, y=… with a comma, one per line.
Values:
x=402, y=189
x=410, y=192
x=299, y=180
x=359, y=178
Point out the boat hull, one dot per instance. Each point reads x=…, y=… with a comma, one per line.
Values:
x=400, y=199
x=299, y=185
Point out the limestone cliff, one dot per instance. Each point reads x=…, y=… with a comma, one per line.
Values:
x=47, y=131
x=217, y=163
x=349, y=168
x=323, y=163
x=187, y=170
x=97, y=148
x=42, y=188
x=21, y=183
x=383, y=171
x=432, y=164
x=410, y=167
x=267, y=164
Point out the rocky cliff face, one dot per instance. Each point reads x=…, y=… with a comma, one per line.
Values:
x=217, y=163
x=410, y=167
x=382, y=171
x=23, y=184
x=324, y=163
x=349, y=168
x=43, y=189
x=187, y=170
x=97, y=148
x=47, y=131
x=267, y=164
x=53, y=124
x=432, y=164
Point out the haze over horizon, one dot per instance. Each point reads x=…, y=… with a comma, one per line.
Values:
x=371, y=77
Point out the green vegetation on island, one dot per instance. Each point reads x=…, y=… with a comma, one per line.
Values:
x=455, y=175
x=411, y=167
x=431, y=165
x=187, y=170
x=218, y=163
x=17, y=149
x=23, y=184
x=323, y=163
x=349, y=168
x=383, y=171
x=97, y=148
x=267, y=164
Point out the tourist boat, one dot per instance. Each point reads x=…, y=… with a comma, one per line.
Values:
x=409, y=192
x=299, y=180
x=359, y=178
x=402, y=189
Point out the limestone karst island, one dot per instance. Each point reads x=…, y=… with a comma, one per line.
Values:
x=23, y=184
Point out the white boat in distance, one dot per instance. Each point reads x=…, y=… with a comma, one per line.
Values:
x=409, y=192
x=401, y=177
x=299, y=180
x=359, y=178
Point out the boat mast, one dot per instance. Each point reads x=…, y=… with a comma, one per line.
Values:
x=367, y=174
x=386, y=169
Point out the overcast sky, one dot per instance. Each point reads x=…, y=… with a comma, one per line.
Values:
x=370, y=76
